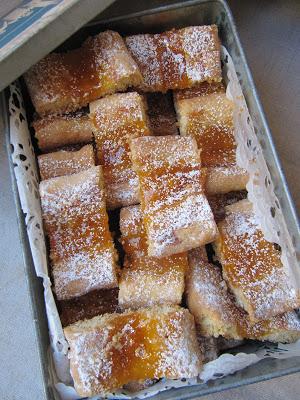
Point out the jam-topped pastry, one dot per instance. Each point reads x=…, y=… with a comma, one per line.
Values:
x=216, y=312
x=162, y=115
x=116, y=119
x=82, y=252
x=113, y=350
x=205, y=113
x=176, y=213
x=63, y=82
x=177, y=59
x=55, y=131
x=252, y=266
x=62, y=162
x=146, y=281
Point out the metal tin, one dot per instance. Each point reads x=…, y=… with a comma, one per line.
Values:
x=158, y=19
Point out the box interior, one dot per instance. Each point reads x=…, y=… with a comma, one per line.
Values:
x=180, y=15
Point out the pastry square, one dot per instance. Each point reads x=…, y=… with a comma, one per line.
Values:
x=176, y=213
x=63, y=82
x=216, y=312
x=113, y=350
x=97, y=302
x=146, y=281
x=209, y=300
x=54, y=132
x=75, y=220
x=162, y=116
x=177, y=59
x=63, y=162
x=116, y=119
x=252, y=266
x=205, y=113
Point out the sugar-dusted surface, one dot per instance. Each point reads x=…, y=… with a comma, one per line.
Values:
x=97, y=302
x=53, y=132
x=83, y=272
x=63, y=82
x=208, y=299
x=216, y=312
x=205, y=113
x=161, y=112
x=252, y=266
x=177, y=59
x=176, y=213
x=108, y=352
x=117, y=119
x=146, y=281
x=76, y=222
x=225, y=179
x=63, y=162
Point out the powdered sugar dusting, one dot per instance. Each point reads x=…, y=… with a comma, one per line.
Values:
x=193, y=213
x=202, y=52
x=252, y=267
x=63, y=162
x=205, y=281
x=205, y=113
x=77, y=225
x=117, y=119
x=144, y=50
x=210, y=300
x=177, y=59
x=63, y=82
x=83, y=272
x=108, y=352
x=146, y=281
x=177, y=216
x=53, y=131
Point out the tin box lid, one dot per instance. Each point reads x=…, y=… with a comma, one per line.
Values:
x=30, y=29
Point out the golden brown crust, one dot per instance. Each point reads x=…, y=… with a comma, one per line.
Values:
x=53, y=132
x=75, y=219
x=63, y=82
x=252, y=266
x=176, y=214
x=110, y=351
x=63, y=162
x=177, y=59
x=116, y=119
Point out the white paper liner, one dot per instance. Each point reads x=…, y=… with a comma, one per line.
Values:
x=260, y=193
